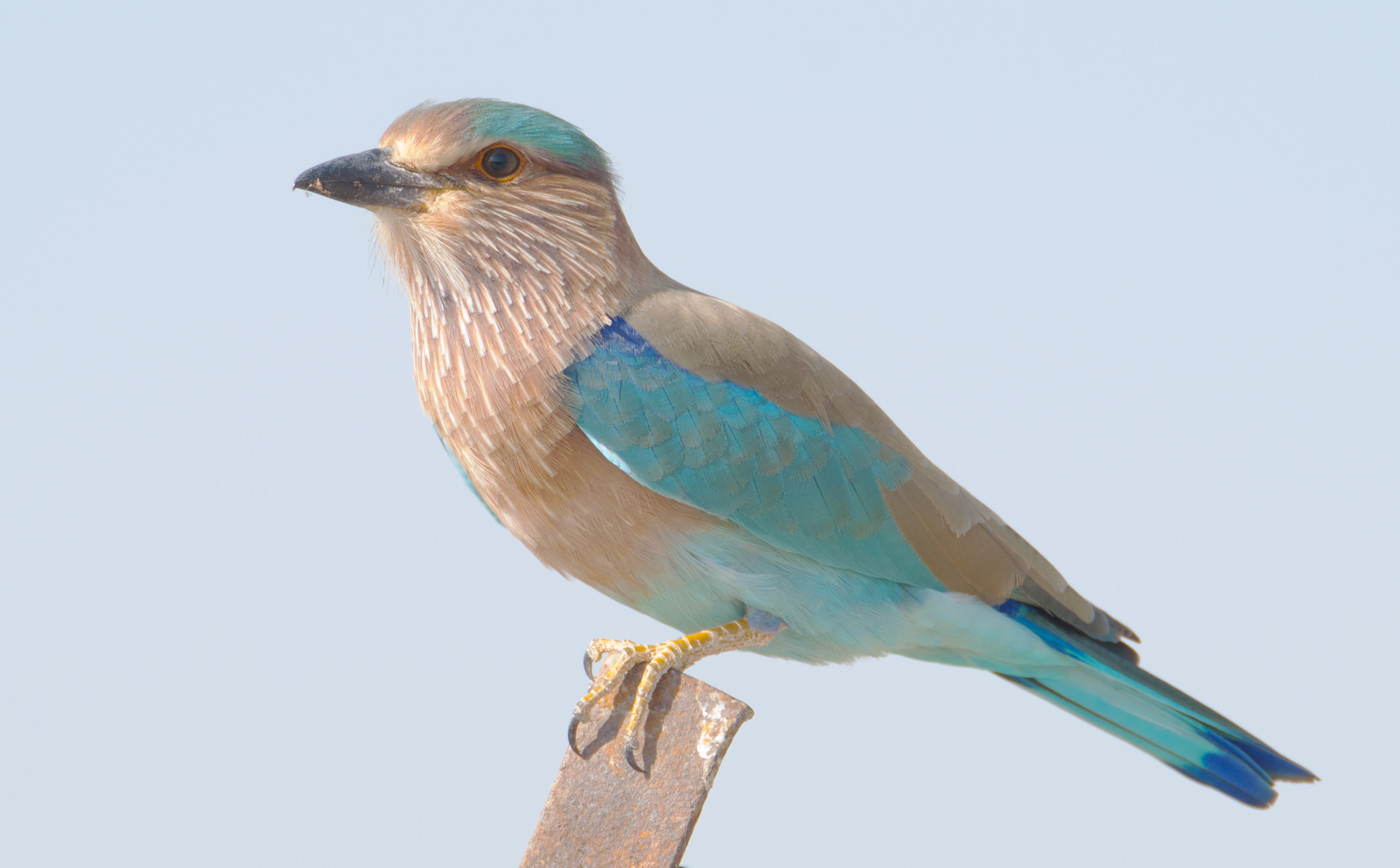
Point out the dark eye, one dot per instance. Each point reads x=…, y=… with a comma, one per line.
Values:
x=499, y=163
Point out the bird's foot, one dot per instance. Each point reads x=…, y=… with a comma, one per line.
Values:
x=618, y=658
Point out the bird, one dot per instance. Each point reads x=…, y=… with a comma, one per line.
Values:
x=702, y=465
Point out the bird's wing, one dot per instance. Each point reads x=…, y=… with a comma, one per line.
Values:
x=717, y=407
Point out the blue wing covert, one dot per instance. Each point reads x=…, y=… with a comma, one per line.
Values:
x=790, y=480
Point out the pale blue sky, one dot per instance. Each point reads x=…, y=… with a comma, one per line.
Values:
x=1127, y=271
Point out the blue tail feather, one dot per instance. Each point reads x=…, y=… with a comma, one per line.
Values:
x=1275, y=765
x=1111, y=692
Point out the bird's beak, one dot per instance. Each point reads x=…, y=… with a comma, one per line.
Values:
x=369, y=180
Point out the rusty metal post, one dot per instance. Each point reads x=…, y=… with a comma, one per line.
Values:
x=601, y=812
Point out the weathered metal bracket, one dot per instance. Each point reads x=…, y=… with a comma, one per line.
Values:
x=602, y=812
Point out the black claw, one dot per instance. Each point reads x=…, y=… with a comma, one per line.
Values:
x=588, y=664
x=573, y=736
x=631, y=761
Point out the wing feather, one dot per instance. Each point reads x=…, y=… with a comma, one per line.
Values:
x=720, y=408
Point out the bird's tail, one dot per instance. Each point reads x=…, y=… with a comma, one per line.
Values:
x=1111, y=692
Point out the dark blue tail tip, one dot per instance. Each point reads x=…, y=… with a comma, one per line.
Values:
x=1274, y=764
x=1229, y=776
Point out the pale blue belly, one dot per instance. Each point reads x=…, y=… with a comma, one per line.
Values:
x=833, y=615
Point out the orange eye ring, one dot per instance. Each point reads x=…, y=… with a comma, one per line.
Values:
x=500, y=163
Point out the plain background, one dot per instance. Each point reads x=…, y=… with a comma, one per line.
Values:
x=1127, y=271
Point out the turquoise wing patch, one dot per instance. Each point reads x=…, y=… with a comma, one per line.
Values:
x=731, y=452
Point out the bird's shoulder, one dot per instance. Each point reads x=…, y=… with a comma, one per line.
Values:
x=720, y=341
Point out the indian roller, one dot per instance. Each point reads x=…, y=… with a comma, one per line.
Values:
x=700, y=464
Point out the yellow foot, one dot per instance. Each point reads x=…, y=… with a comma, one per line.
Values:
x=659, y=659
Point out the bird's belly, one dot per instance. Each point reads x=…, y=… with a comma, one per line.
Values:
x=582, y=516
x=692, y=571
x=834, y=615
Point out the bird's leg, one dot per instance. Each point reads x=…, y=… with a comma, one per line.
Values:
x=676, y=654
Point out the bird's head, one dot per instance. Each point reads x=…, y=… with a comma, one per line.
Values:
x=483, y=196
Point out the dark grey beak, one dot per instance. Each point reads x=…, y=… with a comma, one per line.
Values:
x=368, y=180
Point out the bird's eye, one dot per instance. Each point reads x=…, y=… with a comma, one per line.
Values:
x=500, y=163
